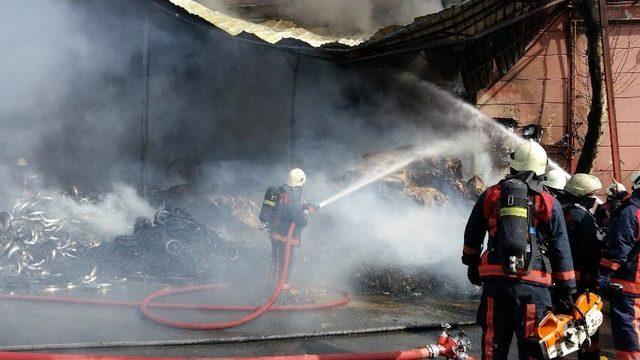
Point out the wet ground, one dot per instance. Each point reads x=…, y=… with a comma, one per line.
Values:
x=115, y=330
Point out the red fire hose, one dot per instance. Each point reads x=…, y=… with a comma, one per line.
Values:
x=254, y=314
x=414, y=354
x=147, y=303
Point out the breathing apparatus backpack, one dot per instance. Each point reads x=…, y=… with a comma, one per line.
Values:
x=516, y=234
x=271, y=198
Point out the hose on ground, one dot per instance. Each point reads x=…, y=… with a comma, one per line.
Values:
x=255, y=312
x=414, y=354
x=147, y=304
x=235, y=339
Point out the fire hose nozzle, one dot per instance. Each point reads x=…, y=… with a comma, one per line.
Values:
x=449, y=347
x=311, y=208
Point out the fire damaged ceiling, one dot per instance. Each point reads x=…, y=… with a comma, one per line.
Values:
x=492, y=34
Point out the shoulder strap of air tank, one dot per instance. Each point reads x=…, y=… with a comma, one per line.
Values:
x=584, y=209
x=544, y=206
x=490, y=208
x=543, y=203
x=533, y=235
x=491, y=198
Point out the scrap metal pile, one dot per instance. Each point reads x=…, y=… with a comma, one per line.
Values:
x=42, y=242
x=39, y=243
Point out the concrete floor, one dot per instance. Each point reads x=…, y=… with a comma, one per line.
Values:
x=43, y=324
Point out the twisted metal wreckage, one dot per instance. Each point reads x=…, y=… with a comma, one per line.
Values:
x=41, y=243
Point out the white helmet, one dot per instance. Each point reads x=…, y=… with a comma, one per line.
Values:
x=635, y=178
x=583, y=184
x=555, y=179
x=615, y=188
x=22, y=162
x=529, y=156
x=296, y=178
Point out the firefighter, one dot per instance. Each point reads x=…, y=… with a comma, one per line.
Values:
x=620, y=277
x=586, y=240
x=617, y=199
x=527, y=254
x=554, y=181
x=290, y=208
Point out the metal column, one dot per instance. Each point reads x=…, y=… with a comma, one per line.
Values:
x=292, y=120
x=611, y=103
x=144, y=118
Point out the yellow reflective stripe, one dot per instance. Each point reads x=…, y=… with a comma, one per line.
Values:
x=513, y=211
x=270, y=203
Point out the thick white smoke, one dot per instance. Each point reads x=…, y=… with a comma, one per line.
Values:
x=70, y=104
x=112, y=215
x=337, y=16
x=359, y=15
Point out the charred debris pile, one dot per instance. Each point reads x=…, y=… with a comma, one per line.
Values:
x=200, y=234
x=431, y=183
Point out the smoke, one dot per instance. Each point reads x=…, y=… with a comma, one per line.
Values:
x=113, y=215
x=338, y=16
x=358, y=15
x=70, y=103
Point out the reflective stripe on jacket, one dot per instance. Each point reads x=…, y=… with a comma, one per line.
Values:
x=550, y=226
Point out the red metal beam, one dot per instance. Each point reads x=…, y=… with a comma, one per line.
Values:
x=572, y=37
x=611, y=103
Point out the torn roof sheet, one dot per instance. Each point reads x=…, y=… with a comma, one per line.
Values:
x=482, y=35
x=467, y=21
x=271, y=31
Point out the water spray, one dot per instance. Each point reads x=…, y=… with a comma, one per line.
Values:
x=482, y=120
x=469, y=112
x=433, y=149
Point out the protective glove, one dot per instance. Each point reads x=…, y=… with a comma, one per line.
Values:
x=603, y=282
x=473, y=274
x=563, y=303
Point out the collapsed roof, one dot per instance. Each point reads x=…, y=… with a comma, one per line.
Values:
x=491, y=34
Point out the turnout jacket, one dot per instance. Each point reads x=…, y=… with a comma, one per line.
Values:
x=586, y=247
x=621, y=258
x=290, y=209
x=556, y=269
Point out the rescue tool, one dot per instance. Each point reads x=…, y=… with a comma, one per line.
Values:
x=560, y=335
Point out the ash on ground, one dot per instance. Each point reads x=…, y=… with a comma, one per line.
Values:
x=414, y=282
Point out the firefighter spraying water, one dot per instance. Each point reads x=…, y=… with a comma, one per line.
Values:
x=282, y=207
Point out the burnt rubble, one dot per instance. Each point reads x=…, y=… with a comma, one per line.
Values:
x=429, y=182
x=174, y=244
x=411, y=282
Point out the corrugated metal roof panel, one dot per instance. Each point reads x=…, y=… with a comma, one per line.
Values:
x=487, y=34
